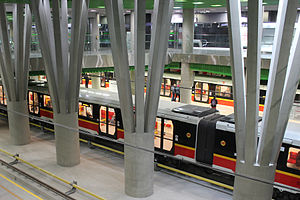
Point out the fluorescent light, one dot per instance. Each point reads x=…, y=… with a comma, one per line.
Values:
x=198, y=3
x=177, y=7
x=180, y=0
x=215, y=5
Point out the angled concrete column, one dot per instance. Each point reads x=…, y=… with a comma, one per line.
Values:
x=256, y=162
x=139, y=131
x=95, y=32
x=63, y=63
x=187, y=75
x=14, y=70
x=96, y=81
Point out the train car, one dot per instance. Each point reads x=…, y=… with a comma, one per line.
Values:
x=193, y=139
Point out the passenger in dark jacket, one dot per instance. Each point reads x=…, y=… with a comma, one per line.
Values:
x=214, y=103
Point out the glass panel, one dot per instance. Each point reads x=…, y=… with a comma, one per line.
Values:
x=197, y=91
x=293, y=160
x=1, y=95
x=102, y=78
x=89, y=110
x=157, y=133
x=30, y=100
x=82, y=111
x=36, y=103
x=111, y=121
x=47, y=102
x=223, y=91
x=168, y=87
x=162, y=88
x=168, y=135
x=103, y=119
x=5, y=100
x=205, y=92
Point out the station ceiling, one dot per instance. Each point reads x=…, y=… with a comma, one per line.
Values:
x=129, y=4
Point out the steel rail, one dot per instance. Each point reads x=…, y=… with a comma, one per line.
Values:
x=45, y=185
x=53, y=175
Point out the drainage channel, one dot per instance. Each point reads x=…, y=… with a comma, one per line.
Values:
x=39, y=182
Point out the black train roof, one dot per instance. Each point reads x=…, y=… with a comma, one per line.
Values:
x=193, y=110
x=230, y=118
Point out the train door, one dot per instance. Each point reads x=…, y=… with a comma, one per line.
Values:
x=201, y=92
x=107, y=124
x=165, y=87
x=33, y=103
x=163, y=135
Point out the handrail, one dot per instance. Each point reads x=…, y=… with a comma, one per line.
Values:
x=53, y=175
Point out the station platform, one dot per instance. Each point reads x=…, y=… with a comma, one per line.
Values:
x=100, y=172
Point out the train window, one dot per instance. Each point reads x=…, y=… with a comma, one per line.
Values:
x=223, y=91
x=162, y=87
x=168, y=135
x=157, y=133
x=30, y=101
x=205, y=91
x=1, y=95
x=47, y=102
x=103, y=119
x=86, y=110
x=111, y=121
x=168, y=87
x=36, y=103
x=102, y=78
x=33, y=102
x=293, y=160
x=198, y=91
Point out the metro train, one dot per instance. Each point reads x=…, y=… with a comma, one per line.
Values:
x=187, y=138
x=203, y=90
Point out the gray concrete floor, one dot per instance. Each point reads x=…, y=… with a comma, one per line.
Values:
x=100, y=171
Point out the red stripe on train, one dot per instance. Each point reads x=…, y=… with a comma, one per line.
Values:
x=179, y=150
x=279, y=177
x=46, y=113
x=88, y=125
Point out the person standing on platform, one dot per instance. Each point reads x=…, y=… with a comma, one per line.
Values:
x=173, y=93
x=177, y=92
x=214, y=103
x=87, y=79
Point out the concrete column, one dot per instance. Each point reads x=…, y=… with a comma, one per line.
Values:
x=96, y=81
x=260, y=190
x=67, y=139
x=131, y=45
x=132, y=81
x=18, y=122
x=95, y=32
x=187, y=75
x=139, y=167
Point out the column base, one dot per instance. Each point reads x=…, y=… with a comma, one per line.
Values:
x=66, y=139
x=139, y=165
x=18, y=122
x=245, y=188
